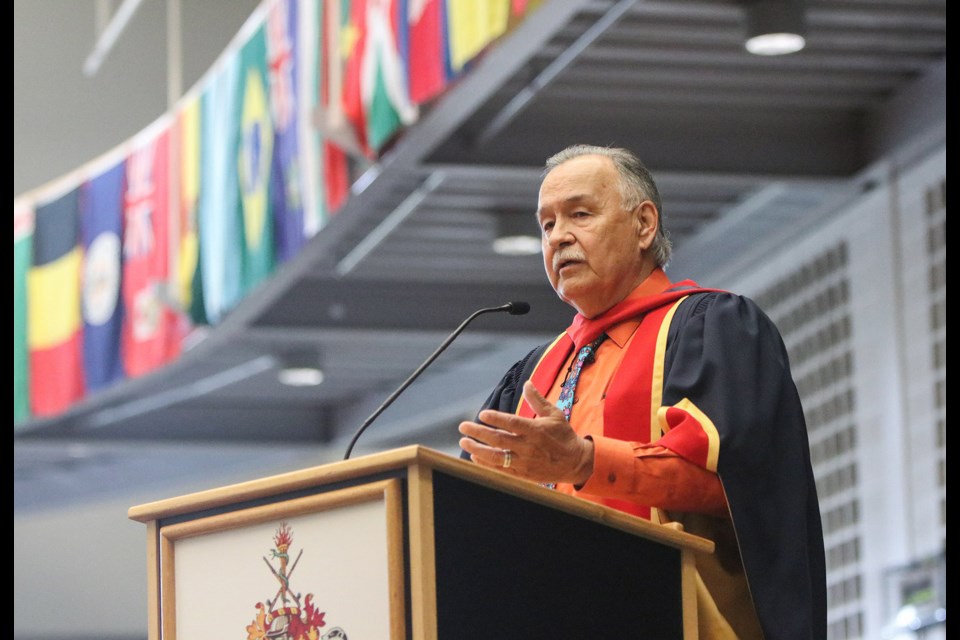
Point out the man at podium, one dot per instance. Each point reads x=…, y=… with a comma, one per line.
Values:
x=665, y=400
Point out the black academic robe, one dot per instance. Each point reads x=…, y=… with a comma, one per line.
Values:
x=726, y=356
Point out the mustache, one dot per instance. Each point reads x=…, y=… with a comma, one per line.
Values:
x=569, y=256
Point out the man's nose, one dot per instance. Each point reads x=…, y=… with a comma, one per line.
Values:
x=560, y=235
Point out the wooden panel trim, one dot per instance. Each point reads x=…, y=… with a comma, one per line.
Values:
x=153, y=582
x=168, y=599
x=423, y=569
x=393, y=494
x=274, y=485
x=277, y=510
x=688, y=595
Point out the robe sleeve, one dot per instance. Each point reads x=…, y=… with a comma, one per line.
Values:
x=730, y=405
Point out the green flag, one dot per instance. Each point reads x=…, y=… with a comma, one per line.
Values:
x=22, y=257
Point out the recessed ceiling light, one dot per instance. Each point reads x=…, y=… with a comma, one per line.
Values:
x=775, y=27
x=516, y=245
x=775, y=44
x=300, y=376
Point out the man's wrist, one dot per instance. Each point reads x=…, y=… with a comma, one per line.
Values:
x=585, y=467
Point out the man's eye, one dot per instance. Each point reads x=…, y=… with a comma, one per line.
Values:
x=547, y=226
x=580, y=214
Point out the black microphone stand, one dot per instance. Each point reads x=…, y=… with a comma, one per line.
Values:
x=514, y=308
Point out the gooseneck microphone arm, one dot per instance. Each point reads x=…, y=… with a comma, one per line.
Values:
x=513, y=308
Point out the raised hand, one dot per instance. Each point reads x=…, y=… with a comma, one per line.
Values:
x=543, y=449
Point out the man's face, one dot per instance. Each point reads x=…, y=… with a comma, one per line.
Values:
x=592, y=247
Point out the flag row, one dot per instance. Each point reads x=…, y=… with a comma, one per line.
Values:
x=117, y=262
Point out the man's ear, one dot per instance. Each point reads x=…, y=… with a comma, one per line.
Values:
x=648, y=221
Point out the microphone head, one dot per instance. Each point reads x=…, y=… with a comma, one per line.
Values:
x=518, y=308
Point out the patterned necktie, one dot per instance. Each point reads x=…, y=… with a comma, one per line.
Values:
x=565, y=401
x=586, y=355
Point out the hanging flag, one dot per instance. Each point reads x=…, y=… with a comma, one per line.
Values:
x=53, y=307
x=340, y=140
x=287, y=168
x=426, y=49
x=342, y=121
x=336, y=176
x=101, y=230
x=187, y=132
x=253, y=163
x=386, y=102
x=150, y=324
x=22, y=258
x=471, y=26
x=310, y=70
x=221, y=233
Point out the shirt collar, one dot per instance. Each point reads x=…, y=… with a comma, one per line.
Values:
x=649, y=294
x=655, y=283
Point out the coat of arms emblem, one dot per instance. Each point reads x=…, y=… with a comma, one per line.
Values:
x=288, y=615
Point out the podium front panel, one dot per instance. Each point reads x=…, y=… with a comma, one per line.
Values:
x=511, y=568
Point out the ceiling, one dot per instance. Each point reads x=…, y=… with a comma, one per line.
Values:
x=744, y=148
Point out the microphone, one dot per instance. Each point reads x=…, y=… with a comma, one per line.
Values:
x=513, y=308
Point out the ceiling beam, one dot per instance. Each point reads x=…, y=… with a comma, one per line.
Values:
x=325, y=302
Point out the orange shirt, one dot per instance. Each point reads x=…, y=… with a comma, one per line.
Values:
x=641, y=473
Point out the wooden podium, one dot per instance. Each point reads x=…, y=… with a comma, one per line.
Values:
x=411, y=544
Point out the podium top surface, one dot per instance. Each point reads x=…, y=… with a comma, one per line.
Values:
x=401, y=459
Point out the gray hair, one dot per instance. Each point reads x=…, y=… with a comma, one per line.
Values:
x=636, y=185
